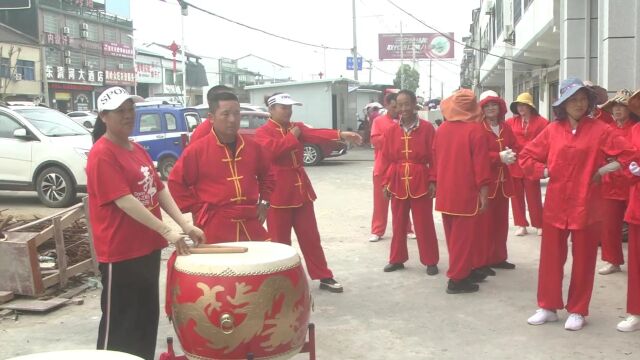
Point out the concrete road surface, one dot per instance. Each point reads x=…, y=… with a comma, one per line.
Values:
x=400, y=315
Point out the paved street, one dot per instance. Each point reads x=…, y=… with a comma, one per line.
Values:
x=400, y=315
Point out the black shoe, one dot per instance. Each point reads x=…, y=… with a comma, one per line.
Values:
x=432, y=270
x=331, y=285
x=487, y=270
x=393, y=267
x=461, y=287
x=504, y=265
x=476, y=276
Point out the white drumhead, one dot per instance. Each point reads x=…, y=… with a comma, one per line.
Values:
x=79, y=355
x=262, y=257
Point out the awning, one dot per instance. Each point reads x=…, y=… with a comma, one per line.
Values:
x=196, y=75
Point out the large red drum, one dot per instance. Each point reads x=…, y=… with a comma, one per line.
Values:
x=225, y=306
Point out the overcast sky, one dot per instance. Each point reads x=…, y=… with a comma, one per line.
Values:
x=325, y=22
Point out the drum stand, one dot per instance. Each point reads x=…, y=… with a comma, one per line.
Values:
x=308, y=347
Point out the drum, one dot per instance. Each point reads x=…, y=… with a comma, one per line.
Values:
x=79, y=355
x=225, y=306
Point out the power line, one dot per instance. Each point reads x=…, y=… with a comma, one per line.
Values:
x=264, y=31
x=456, y=41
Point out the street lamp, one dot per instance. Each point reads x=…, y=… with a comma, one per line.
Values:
x=135, y=68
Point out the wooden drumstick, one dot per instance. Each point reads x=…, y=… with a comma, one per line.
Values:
x=216, y=249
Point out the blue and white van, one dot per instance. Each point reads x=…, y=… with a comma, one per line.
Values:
x=164, y=131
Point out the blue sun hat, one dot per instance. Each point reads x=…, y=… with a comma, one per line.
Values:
x=568, y=87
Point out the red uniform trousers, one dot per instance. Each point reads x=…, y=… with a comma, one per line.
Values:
x=613, y=211
x=230, y=223
x=529, y=189
x=381, y=209
x=461, y=233
x=493, y=247
x=422, y=211
x=303, y=220
x=633, y=270
x=553, y=255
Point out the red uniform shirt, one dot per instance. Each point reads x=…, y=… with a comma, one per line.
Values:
x=524, y=133
x=114, y=172
x=602, y=115
x=380, y=125
x=616, y=185
x=202, y=130
x=572, y=201
x=285, y=151
x=500, y=174
x=461, y=156
x=632, y=215
x=209, y=174
x=409, y=155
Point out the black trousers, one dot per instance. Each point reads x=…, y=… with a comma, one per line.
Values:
x=130, y=306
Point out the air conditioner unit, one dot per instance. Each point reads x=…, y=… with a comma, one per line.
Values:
x=67, y=61
x=17, y=76
x=509, y=35
x=67, y=53
x=84, y=34
x=84, y=26
x=66, y=30
x=120, y=66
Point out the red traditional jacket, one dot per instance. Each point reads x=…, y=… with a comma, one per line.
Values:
x=602, y=115
x=208, y=173
x=616, y=185
x=632, y=215
x=524, y=133
x=462, y=166
x=501, y=180
x=293, y=187
x=409, y=155
x=380, y=125
x=572, y=201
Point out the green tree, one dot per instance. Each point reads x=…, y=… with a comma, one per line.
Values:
x=411, y=78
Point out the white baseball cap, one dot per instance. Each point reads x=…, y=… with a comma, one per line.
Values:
x=113, y=97
x=283, y=99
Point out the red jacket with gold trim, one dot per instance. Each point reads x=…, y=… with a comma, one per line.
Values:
x=501, y=180
x=524, y=133
x=409, y=158
x=293, y=187
x=616, y=185
x=208, y=173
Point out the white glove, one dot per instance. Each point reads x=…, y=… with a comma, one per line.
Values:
x=634, y=168
x=507, y=156
x=170, y=235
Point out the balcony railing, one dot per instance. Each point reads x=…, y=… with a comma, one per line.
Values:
x=96, y=15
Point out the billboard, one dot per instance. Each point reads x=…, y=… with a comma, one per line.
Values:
x=418, y=45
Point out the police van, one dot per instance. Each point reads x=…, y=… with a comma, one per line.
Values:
x=164, y=131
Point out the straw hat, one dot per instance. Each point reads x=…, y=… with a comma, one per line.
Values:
x=621, y=98
x=634, y=103
x=524, y=98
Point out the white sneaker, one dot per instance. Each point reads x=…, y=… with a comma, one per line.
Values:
x=542, y=316
x=539, y=232
x=609, y=269
x=521, y=231
x=411, y=236
x=375, y=238
x=632, y=323
x=574, y=322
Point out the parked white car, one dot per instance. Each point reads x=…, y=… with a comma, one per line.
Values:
x=84, y=118
x=44, y=150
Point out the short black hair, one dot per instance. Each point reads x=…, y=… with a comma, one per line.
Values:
x=215, y=98
x=389, y=98
x=218, y=89
x=410, y=94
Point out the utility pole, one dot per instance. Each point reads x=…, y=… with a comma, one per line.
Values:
x=370, y=68
x=184, y=10
x=401, y=58
x=355, y=44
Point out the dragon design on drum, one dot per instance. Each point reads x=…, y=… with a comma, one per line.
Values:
x=280, y=328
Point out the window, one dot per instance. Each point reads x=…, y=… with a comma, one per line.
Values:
x=5, y=68
x=51, y=24
x=499, y=18
x=168, y=77
x=172, y=123
x=8, y=126
x=74, y=28
x=92, y=33
x=112, y=63
x=126, y=39
x=93, y=62
x=26, y=69
x=53, y=56
x=150, y=123
x=76, y=60
x=527, y=3
x=110, y=35
x=193, y=120
x=517, y=11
